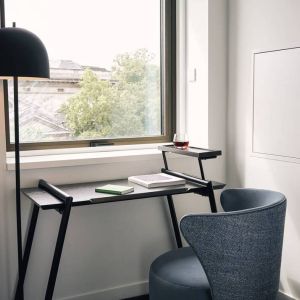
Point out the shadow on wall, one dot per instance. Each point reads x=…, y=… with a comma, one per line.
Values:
x=294, y=286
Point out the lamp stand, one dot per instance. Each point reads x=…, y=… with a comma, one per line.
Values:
x=17, y=174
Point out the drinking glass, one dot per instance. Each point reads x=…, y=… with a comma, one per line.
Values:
x=181, y=141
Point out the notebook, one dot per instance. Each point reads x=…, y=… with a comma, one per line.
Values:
x=114, y=189
x=156, y=180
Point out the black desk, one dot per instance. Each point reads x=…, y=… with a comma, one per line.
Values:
x=62, y=198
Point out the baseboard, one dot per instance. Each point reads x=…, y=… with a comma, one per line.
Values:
x=114, y=293
x=282, y=296
x=127, y=291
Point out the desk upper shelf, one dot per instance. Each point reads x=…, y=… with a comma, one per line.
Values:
x=200, y=153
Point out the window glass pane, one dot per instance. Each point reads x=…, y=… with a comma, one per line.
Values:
x=105, y=70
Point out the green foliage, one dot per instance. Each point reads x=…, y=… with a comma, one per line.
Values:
x=126, y=106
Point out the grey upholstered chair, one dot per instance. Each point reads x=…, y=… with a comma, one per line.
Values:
x=239, y=250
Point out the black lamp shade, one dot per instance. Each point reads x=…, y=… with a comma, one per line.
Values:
x=22, y=54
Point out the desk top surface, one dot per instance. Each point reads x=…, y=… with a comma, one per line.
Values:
x=84, y=193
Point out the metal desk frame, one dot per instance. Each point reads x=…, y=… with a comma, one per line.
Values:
x=202, y=187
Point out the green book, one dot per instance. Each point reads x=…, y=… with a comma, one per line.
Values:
x=114, y=189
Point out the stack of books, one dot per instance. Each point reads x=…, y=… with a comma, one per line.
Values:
x=114, y=189
x=156, y=180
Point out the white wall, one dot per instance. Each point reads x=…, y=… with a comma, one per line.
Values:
x=262, y=25
x=206, y=40
x=109, y=247
x=217, y=76
x=197, y=71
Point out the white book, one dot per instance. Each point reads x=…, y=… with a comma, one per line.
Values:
x=156, y=180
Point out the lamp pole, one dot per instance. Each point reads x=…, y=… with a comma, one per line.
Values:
x=17, y=171
x=17, y=174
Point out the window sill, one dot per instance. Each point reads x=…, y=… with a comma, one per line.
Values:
x=55, y=160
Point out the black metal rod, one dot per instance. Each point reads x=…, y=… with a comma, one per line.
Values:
x=201, y=168
x=17, y=175
x=54, y=191
x=211, y=197
x=187, y=177
x=58, y=248
x=174, y=221
x=165, y=160
x=172, y=210
x=208, y=184
x=27, y=250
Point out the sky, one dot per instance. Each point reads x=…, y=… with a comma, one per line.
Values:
x=89, y=32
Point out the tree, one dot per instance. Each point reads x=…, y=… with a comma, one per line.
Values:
x=89, y=111
x=129, y=107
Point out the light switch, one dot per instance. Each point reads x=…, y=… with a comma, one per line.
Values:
x=192, y=75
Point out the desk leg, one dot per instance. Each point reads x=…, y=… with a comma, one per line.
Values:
x=210, y=194
x=211, y=197
x=201, y=168
x=58, y=249
x=174, y=221
x=30, y=235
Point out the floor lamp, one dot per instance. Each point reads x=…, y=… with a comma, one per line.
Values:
x=22, y=56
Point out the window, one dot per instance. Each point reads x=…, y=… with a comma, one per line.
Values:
x=112, y=73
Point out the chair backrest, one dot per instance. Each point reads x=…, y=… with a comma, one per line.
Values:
x=240, y=250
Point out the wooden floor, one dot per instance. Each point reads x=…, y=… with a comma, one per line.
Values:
x=146, y=297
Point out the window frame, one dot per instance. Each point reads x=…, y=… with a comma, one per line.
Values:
x=168, y=93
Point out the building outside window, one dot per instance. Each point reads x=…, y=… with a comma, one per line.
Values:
x=111, y=66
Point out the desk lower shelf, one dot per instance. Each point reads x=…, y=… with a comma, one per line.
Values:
x=84, y=193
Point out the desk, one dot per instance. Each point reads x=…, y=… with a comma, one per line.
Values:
x=63, y=197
